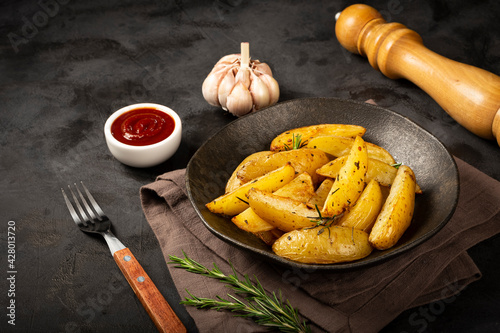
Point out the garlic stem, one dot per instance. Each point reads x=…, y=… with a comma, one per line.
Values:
x=245, y=54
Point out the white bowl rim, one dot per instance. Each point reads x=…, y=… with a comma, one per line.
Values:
x=159, y=107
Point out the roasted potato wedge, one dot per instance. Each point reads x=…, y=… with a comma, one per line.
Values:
x=284, y=141
x=323, y=245
x=380, y=171
x=338, y=146
x=397, y=211
x=349, y=182
x=233, y=203
x=300, y=189
x=233, y=183
x=303, y=160
x=269, y=237
x=249, y=221
x=319, y=197
x=284, y=213
x=363, y=213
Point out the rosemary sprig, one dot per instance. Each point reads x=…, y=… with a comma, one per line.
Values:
x=266, y=310
x=321, y=220
x=296, y=142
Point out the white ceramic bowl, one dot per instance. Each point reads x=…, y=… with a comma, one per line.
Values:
x=148, y=155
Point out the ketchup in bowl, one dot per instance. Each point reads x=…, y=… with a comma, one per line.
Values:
x=142, y=127
x=143, y=135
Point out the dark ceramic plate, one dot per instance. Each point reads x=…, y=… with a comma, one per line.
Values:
x=435, y=170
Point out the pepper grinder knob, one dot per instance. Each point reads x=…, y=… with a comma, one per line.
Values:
x=470, y=95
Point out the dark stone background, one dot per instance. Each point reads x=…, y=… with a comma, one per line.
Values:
x=67, y=65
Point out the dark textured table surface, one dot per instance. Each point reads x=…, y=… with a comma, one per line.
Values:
x=67, y=65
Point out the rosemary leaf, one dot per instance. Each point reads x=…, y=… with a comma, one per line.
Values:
x=242, y=200
x=397, y=165
x=296, y=142
x=266, y=310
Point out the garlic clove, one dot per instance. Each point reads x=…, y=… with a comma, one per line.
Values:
x=222, y=66
x=210, y=87
x=239, y=84
x=239, y=101
x=229, y=59
x=225, y=87
x=263, y=68
x=259, y=92
x=274, y=89
x=243, y=76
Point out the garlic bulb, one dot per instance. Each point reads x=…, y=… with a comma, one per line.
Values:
x=240, y=85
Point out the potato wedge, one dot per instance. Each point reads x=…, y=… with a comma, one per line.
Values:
x=397, y=211
x=338, y=146
x=303, y=160
x=300, y=189
x=377, y=170
x=233, y=183
x=363, y=213
x=319, y=197
x=249, y=221
x=232, y=203
x=333, y=245
x=284, y=213
x=269, y=237
x=350, y=181
x=285, y=139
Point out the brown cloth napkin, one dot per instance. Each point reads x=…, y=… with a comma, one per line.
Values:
x=364, y=300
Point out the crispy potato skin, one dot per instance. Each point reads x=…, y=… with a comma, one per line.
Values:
x=303, y=160
x=397, y=211
x=231, y=203
x=284, y=213
x=349, y=182
x=319, y=197
x=301, y=189
x=308, y=132
x=380, y=171
x=338, y=146
x=233, y=183
x=333, y=245
x=366, y=209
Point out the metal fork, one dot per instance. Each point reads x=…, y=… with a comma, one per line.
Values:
x=92, y=219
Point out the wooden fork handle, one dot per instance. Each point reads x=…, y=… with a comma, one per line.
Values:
x=153, y=301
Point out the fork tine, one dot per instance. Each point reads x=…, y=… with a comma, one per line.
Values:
x=71, y=209
x=86, y=219
x=89, y=210
x=92, y=200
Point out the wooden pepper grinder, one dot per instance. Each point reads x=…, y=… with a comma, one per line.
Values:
x=468, y=94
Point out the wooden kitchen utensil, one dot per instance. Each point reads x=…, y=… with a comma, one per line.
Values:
x=468, y=94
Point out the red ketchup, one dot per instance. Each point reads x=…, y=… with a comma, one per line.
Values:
x=142, y=127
